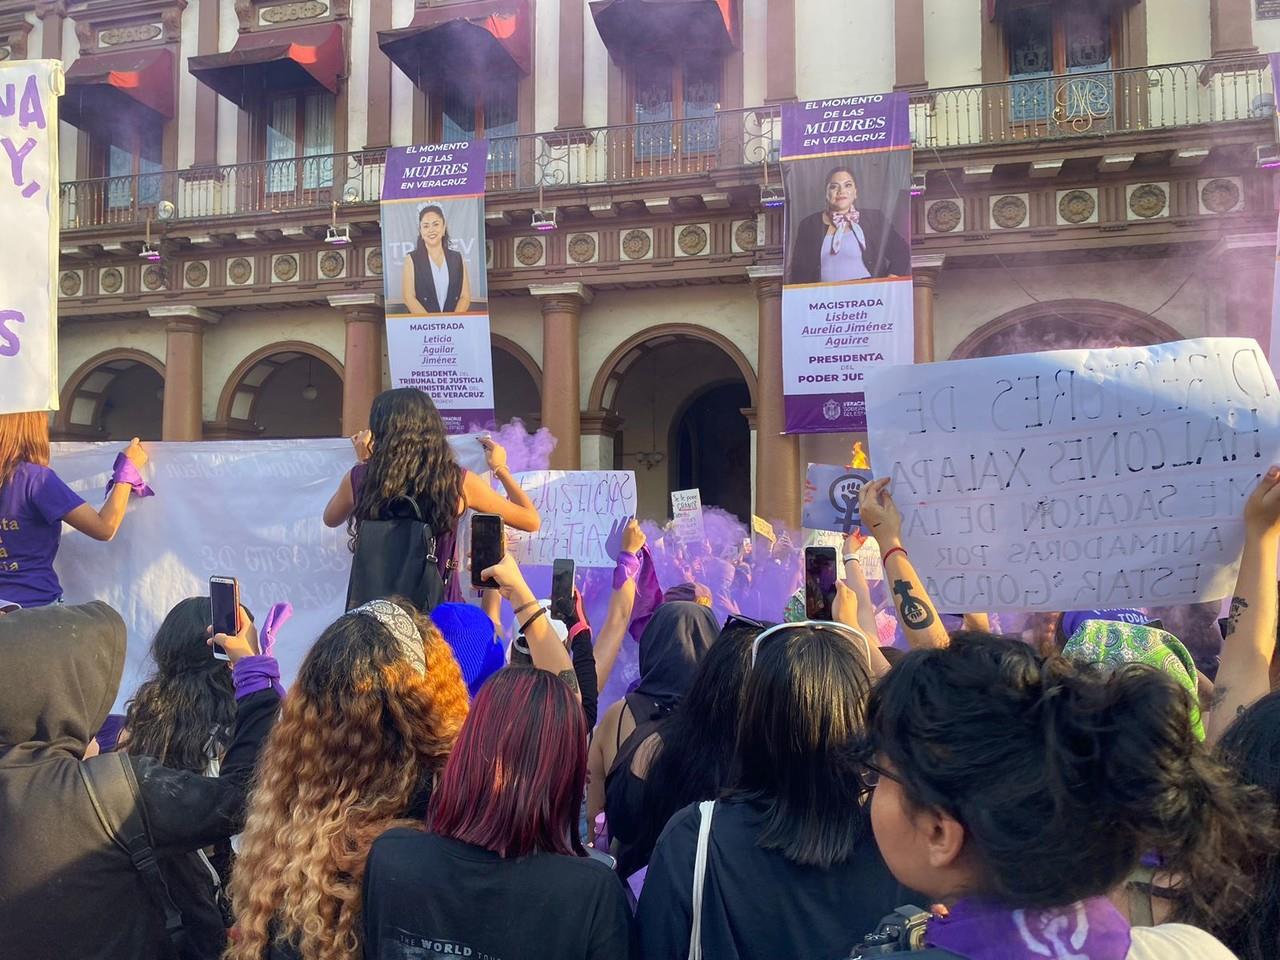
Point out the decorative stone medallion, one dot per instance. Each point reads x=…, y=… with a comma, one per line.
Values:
x=332, y=263
x=1077, y=206
x=1148, y=200
x=636, y=244
x=1220, y=195
x=373, y=262
x=529, y=251
x=744, y=235
x=1009, y=212
x=944, y=216
x=240, y=271
x=692, y=240
x=152, y=277
x=196, y=273
x=111, y=280
x=582, y=247
x=135, y=33
x=285, y=267
x=288, y=12
x=69, y=283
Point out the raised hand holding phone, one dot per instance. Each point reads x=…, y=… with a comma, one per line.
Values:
x=224, y=609
x=488, y=547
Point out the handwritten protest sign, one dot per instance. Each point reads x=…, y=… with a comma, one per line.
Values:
x=29, y=92
x=764, y=528
x=831, y=497
x=686, y=512
x=248, y=509
x=579, y=509
x=1077, y=479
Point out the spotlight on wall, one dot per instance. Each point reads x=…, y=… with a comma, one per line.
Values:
x=772, y=196
x=543, y=220
x=918, y=184
x=149, y=252
x=336, y=234
x=1268, y=156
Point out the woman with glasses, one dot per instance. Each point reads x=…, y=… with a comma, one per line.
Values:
x=1018, y=792
x=789, y=867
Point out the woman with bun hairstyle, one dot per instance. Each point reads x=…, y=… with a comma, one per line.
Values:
x=1016, y=792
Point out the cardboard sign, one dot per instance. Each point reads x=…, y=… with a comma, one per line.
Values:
x=764, y=528
x=686, y=512
x=1078, y=479
x=581, y=510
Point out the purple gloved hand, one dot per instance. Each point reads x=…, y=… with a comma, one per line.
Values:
x=123, y=471
x=628, y=568
x=254, y=674
x=277, y=617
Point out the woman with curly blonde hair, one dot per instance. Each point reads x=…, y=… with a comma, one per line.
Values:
x=365, y=730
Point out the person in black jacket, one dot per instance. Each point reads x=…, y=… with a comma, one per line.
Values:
x=65, y=889
x=435, y=275
x=843, y=243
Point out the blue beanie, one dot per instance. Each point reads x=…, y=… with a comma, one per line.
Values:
x=471, y=634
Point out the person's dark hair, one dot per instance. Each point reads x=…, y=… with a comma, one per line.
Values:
x=1250, y=926
x=694, y=760
x=892, y=654
x=514, y=781
x=439, y=212
x=411, y=458
x=1061, y=777
x=802, y=713
x=186, y=708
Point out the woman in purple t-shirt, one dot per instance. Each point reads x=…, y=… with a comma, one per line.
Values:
x=34, y=502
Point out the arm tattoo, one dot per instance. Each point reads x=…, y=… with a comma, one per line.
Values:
x=571, y=680
x=916, y=613
x=1238, y=606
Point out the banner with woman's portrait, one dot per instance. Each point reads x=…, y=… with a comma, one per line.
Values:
x=435, y=288
x=847, y=294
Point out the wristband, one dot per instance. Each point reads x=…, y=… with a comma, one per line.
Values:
x=123, y=471
x=628, y=568
x=884, y=557
x=255, y=674
x=850, y=557
x=542, y=612
x=524, y=606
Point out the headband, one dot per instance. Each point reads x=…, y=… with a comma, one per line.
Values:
x=401, y=626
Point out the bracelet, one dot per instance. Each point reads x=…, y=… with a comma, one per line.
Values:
x=542, y=612
x=523, y=607
x=850, y=557
x=884, y=557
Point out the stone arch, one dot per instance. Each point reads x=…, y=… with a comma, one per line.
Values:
x=237, y=412
x=517, y=382
x=87, y=390
x=1064, y=325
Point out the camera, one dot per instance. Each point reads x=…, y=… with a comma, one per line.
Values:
x=902, y=930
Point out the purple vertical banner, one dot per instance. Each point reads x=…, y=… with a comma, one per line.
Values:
x=435, y=285
x=847, y=298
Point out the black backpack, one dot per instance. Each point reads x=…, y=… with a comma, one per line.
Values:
x=397, y=557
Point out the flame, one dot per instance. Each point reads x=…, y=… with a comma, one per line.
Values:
x=858, y=457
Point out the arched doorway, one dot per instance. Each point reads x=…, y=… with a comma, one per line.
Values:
x=517, y=384
x=285, y=391
x=1064, y=325
x=678, y=390
x=115, y=396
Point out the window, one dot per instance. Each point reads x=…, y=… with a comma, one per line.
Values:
x=1047, y=41
x=129, y=156
x=490, y=113
x=689, y=95
x=298, y=139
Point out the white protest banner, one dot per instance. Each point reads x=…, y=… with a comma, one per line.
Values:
x=686, y=512
x=248, y=509
x=29, y=91
x=1077, y=479
x=579, y=509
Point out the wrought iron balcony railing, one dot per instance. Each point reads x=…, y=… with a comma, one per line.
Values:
x=1102, y=102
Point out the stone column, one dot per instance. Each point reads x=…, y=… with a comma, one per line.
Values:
x=599, y=439
x=182, y=417
x=780, y=58
x=778, y=476
x=1231, y=28
x=362, y=360
x=908, y=43
x=562, y=305
x=925, y=269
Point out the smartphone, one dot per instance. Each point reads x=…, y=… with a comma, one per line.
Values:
x=819, y=582
x=488, y=546
x=224, y=605
x=562, y=606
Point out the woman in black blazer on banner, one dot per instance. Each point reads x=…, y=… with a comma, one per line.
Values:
x=435, y=275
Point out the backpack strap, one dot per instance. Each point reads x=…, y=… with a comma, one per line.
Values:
x=113, y=791
x=705, y=809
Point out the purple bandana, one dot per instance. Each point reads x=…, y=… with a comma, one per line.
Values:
x=1092, y=929
x=125, y=472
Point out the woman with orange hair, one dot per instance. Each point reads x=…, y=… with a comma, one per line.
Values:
x=34, y=502
x=365, y=731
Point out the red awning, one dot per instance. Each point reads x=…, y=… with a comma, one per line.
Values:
x=462, y=43
x=104, y=85
x=286, y=57
x=667, y=27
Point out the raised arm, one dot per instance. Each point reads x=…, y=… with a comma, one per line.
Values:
x=343, y=501
x=545, y=648
x=102, y=524
x=916, y=612
x=621, y=604
x=515, y=509
x=1250, y=636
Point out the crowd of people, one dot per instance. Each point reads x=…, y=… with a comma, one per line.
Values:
x=769, y=785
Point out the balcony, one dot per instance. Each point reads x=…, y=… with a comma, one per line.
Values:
x=1181, y=96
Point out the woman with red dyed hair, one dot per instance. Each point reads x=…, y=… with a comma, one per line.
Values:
x=502, y=872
